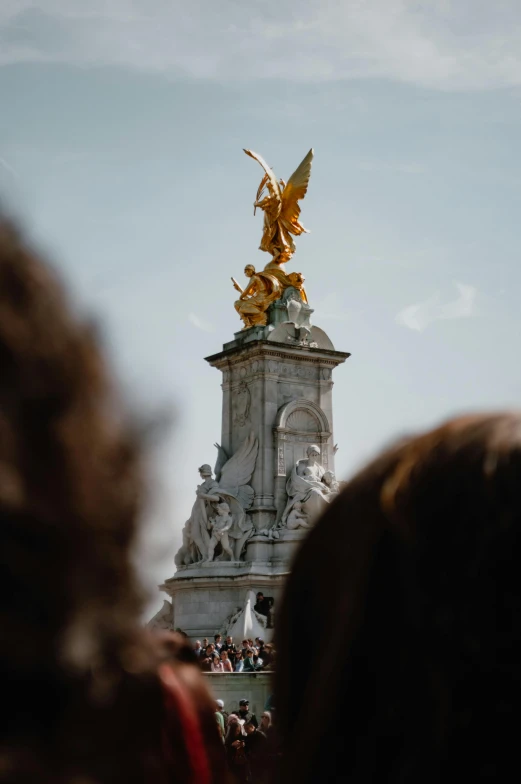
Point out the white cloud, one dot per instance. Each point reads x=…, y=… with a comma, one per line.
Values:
x=447, y=44
x=419, y=316
x=200, y=323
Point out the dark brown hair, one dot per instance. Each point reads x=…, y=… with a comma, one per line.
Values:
x=413, y=576
x=81, y=696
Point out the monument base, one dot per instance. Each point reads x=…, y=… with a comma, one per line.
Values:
x=205, y=596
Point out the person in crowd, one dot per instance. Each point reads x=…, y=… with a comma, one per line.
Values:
x=257, y=661
x=220, y=708
x=272, y=754
x=249, y=664
x=226, y=663
x=256, y=751
x=263, y=606
x=265, y=654
x=244, y=648
x=422, y=588
x=204, y=646
x=198, y=648
x=243, y=712
x=235, y=745
x=217, y=665
x=88, y=694
x=230, y=648
x=266, y=725
x=239, y=662
x=218, y=642
x=220, y=718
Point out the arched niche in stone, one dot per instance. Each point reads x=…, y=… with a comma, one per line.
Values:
x=298, y=424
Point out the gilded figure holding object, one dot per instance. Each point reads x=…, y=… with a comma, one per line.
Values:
x=263, y=289
x=281, y=208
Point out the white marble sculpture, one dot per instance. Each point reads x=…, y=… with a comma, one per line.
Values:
x=306, y=487
x=331, y=481
x=247, y=624
x=220, y=526
x=297, y=518
x=163, y=618
x=231, y=487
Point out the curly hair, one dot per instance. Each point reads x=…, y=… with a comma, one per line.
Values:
x=81, y=699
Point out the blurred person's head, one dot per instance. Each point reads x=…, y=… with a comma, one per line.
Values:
x=81, y=684
x=235, y=729
x=244, y=706
x=416, y=567
x=265, y=723
x=249, y=727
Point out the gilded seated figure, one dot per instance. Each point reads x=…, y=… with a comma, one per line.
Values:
x=256, y=298
x=264, y=288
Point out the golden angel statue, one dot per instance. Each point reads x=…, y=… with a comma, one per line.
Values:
x=281, y=209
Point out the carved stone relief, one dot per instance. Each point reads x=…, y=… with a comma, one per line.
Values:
x=281, y=468
x=302, y=421
x=298, y=371
x=242, y=403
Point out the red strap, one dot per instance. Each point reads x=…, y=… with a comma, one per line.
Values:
x=190, y=724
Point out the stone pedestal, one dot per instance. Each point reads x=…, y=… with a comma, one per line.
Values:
x=282, y=390
x=277, y=385
x=204, y=600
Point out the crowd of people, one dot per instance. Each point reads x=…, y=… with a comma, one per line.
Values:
x=219, y=656
x=251, y=746
x=414, y=569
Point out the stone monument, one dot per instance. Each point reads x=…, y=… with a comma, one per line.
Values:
x=274, y=471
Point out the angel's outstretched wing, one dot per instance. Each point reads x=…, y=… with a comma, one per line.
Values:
x=238, y=470
x=270, y=175
x=295, y=190
x=222, y=457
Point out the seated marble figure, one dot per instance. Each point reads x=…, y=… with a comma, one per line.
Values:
x=306, y=486
x=297, y=518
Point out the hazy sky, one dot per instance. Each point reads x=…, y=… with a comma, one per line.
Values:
x=121, y=136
